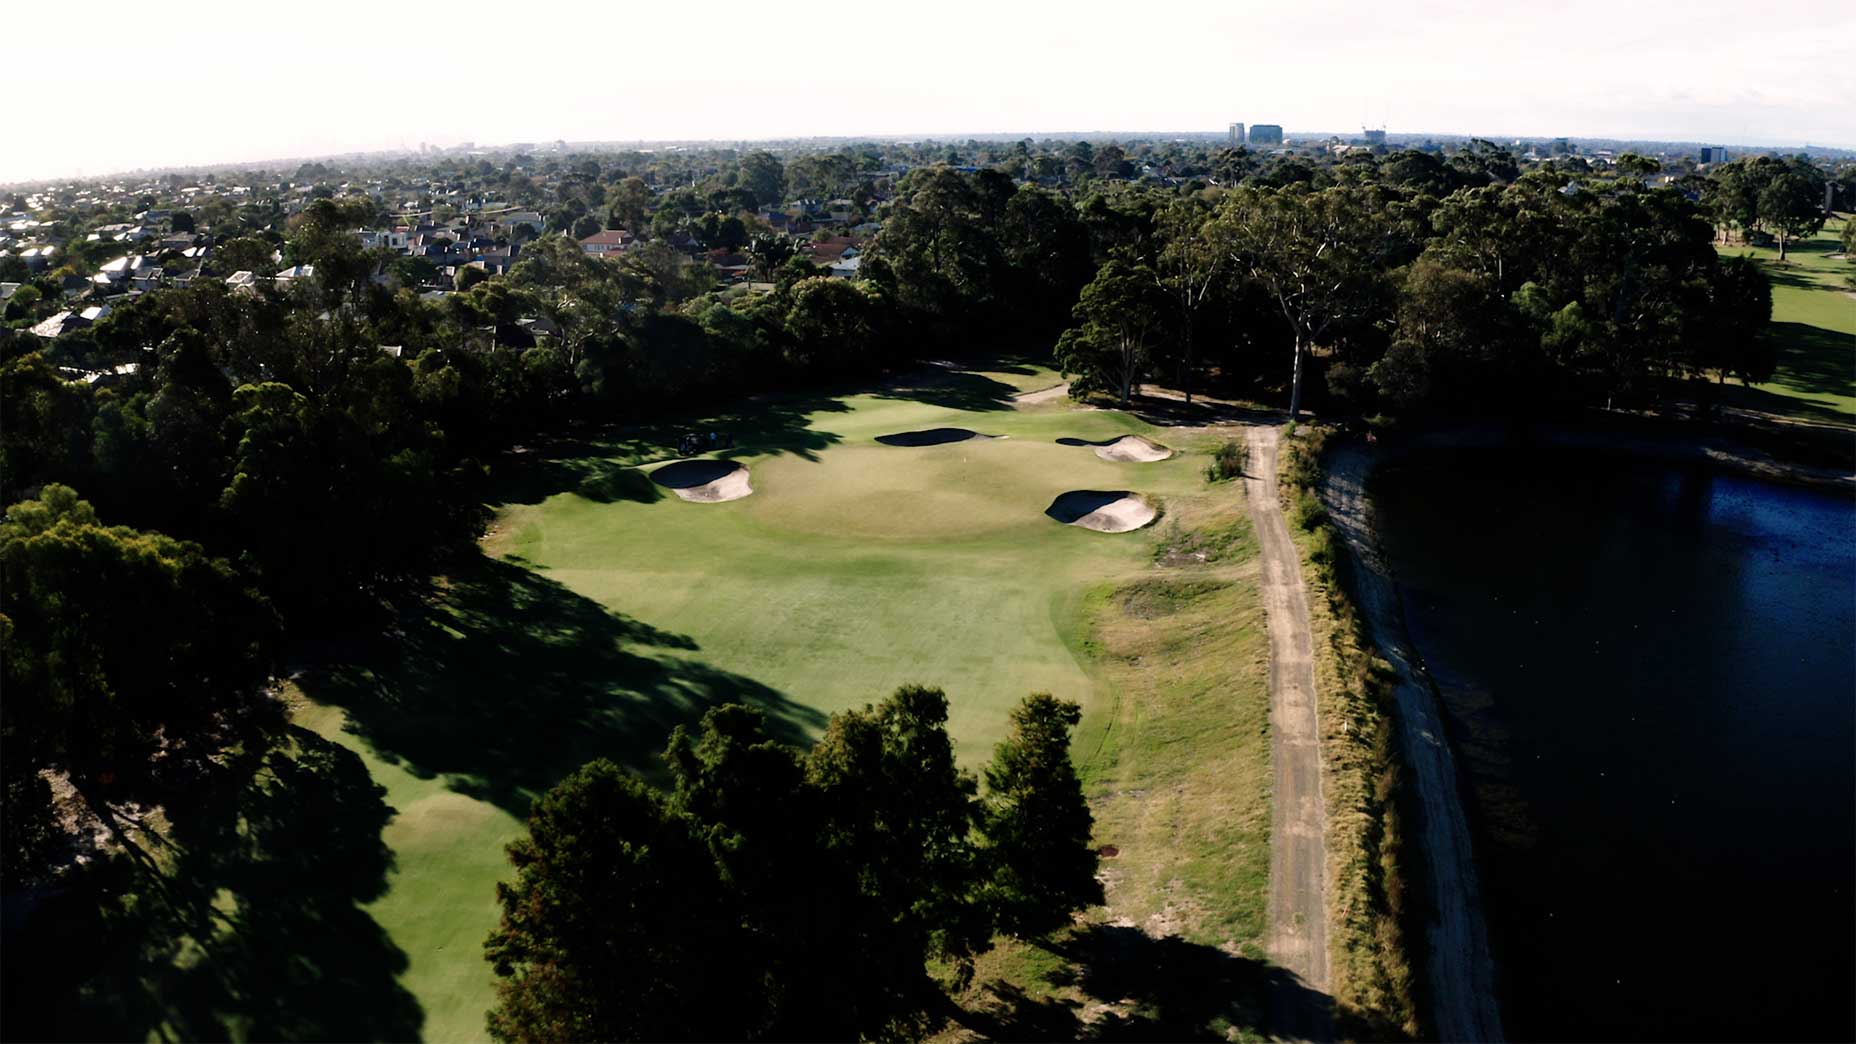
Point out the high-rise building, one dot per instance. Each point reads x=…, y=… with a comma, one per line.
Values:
x=1374, y=137
x=1266, y=134
x=1236, y=136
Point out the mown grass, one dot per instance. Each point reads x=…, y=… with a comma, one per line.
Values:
x=1371, y=972
x=1814, y=324
x=605, y=612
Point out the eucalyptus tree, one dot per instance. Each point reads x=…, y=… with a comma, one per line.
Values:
x=1316, y=254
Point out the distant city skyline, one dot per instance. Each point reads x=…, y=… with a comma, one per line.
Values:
x=223, y=82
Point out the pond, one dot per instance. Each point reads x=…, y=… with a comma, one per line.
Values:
x=1649, y=676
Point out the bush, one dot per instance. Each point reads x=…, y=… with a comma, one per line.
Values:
x=1306, y=511
x=1227, y=463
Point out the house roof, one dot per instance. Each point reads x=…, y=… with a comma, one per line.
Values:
x=610, y=237
x=56, y=324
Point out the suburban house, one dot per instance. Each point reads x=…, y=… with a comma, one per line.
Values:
x=66, y=321
x=610, y=241
x=831, y=251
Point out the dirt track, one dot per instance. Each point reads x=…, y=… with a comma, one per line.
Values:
x=1297, y=937
x=1462, y=974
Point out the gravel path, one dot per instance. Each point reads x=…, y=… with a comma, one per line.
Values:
x=1462, y=973
x=1297, y=936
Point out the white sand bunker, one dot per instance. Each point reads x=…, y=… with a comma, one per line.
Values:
x=932, y=437
x=705, y=481
x=1105, y=511
x=1128, y=449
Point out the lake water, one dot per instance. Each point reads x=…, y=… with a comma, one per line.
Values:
x=1650, y=679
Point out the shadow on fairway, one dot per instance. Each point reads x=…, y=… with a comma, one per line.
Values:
x=1814, y=360
x=508, y=681
x=954, y=389
x=603, y=467
x=688, y=474
x=1159, y=989
x=251, y=928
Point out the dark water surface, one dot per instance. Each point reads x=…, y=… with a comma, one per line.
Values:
x=1650, y=677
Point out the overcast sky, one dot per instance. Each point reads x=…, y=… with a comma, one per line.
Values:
x=110, y=85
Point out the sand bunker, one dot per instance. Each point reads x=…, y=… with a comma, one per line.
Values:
x=705, y=481
x=1104, y=511
x=932, y=437
x=1128, y=449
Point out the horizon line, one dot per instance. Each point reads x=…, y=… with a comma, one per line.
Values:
x=888, y=137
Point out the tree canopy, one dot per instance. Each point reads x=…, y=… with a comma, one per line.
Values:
x=775, y=894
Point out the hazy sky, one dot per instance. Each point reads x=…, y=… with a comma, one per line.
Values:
x=109, y=85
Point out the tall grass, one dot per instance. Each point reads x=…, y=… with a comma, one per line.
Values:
x=1368, y=919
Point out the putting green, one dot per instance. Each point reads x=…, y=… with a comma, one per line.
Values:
x=616, y=610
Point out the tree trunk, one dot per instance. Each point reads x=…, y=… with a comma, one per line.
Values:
x=1781, y=245
x=1295, y=387
x=1187, y=376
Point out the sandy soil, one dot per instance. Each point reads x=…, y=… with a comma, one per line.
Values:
x=1104, y=511
x=705, y=481
x=1462, y=972
x=1297, y=937
x=1128, y=449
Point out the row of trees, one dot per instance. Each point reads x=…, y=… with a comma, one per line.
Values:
x=1765, y=193
x=775, y=894
x=1545, y=293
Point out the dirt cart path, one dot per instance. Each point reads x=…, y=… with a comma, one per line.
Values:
x=1297, y=937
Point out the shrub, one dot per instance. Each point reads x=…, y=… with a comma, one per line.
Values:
x=1227, y=463
x=1306, y=511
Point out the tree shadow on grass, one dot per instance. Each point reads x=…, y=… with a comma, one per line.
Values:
x=1814, y=360
x=952, y=389
x=508, y=681
x=602, y=467
x=1143, y=989
x=246, y=922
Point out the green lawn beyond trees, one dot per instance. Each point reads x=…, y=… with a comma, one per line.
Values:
x=1814, y=326
x=609, y=611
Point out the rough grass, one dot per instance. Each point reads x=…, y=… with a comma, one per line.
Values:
x=1372, y=978
x=1179, y=783
x=1814, y=322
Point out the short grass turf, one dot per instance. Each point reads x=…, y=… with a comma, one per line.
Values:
x=607, y=611
x=1814, y=323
